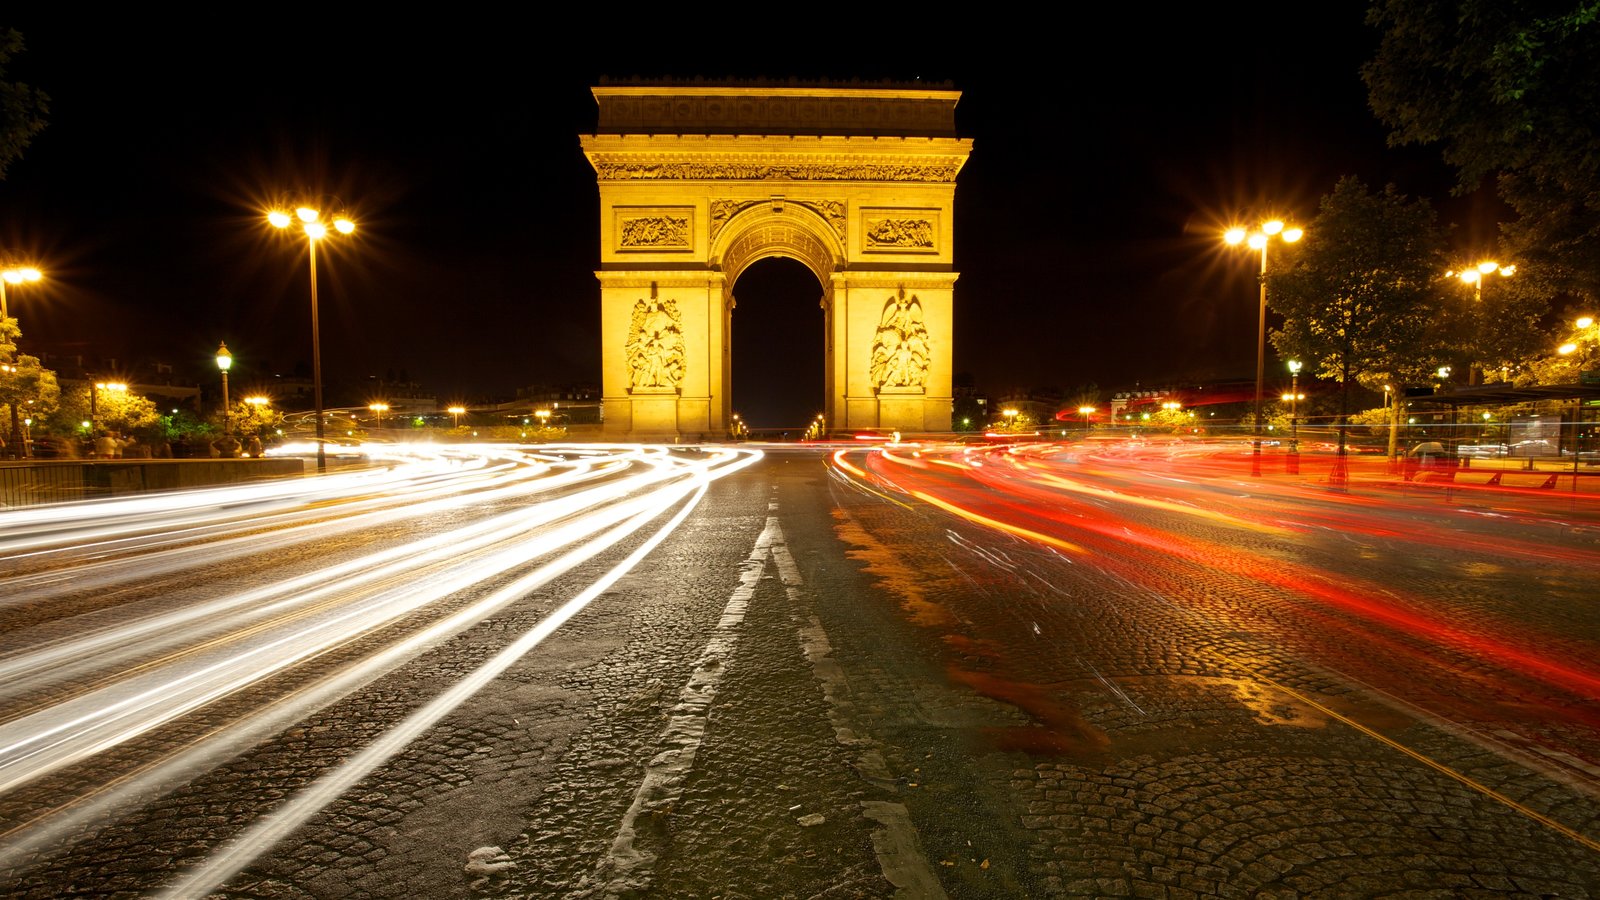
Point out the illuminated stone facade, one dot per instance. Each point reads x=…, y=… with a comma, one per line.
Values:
x=699, y=181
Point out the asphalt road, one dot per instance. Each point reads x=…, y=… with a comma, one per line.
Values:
x=920, y=673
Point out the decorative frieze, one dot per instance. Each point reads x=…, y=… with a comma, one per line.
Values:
x=900, y=230
x=654, y=229
x=931, y=173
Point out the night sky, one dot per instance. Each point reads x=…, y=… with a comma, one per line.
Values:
x=1108, y=155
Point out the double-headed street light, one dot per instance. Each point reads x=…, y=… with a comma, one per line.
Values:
x=1258, y=240
x=457, y=411
x=379, y=408
x=312, y=226
x=15, y=275
x=1475, y=275
x=1583, y=323
x=116, y=387
x=224, y=363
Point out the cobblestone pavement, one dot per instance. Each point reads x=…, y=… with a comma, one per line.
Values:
x=816, y=689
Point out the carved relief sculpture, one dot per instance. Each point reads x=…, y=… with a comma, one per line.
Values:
x=935, y=173
x=900, y=350
x=831, y=210
x=655, y=345
x=723, y=210
x=654, y=231
x=908, y=234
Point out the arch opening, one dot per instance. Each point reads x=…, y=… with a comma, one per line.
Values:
x=777, y=347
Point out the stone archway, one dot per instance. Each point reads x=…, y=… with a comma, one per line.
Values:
x=697, y=182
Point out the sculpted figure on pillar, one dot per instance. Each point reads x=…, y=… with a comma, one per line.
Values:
x=655, y=345
x=900, y=349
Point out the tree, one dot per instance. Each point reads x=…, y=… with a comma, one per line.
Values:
x=22, y=108
x=259, y=419
x=27, y=389
x=114, y=410
x=1360, y=302
x=1510, y=89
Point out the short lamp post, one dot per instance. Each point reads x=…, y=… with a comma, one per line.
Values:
x=379, y=408
x=544, y=417
x=224, y=363
x=457, y=411
x=1293, y=398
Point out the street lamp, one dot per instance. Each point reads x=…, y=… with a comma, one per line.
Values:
x=457, y=411
x=1258, y=240
x=1295, y=366
x=94, y=394
x=312, y=226
x=379, y=408
x=224, y=363
x=1582, y=322
x=15, y=275
x=1475, y=275
x=544, y=417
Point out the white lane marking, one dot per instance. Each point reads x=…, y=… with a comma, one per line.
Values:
x=894, y=841
x=627, y=868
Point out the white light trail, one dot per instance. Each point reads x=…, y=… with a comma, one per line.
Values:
x=124, y=679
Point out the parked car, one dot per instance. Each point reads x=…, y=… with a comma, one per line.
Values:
x=1534, y=448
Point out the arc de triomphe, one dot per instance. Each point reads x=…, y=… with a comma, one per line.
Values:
x=700, y=180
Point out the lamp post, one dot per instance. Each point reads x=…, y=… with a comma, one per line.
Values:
x=1391, y=399
x=544, y=417
x=1582, y=323
x=94, y=405
x=379, y=408
x=15, y=275
x=1475, y=275
x=1258, y=240
x=312, y=226
x=457, y=411
x=224, y=363
x=1294, y=397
